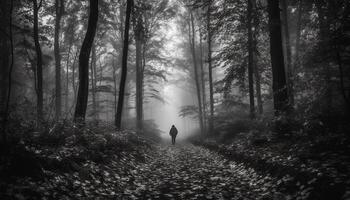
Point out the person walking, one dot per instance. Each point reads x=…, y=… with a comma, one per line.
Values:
x=173, y=134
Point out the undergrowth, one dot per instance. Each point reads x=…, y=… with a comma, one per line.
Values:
x=62, y=161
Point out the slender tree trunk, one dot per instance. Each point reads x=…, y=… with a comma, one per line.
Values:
x=211, y=90
x=196, y=76
x=74, y=87
x=6, y=65
x=118, y=117
x=257, y=74
x=59, y=10
x=258, y=88
x=203, y=82
x=5, y=57
x=115, y=85
x=251, y=61
x=83, y=90
x=127, y=87
x=298, y=35
x=288, y=55
x=279, y=85
x=144, y=48
x=138, y=41
x=39, y=65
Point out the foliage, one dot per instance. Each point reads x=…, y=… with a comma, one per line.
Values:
x=296, y=164
x=62, y=161
x=189, y=110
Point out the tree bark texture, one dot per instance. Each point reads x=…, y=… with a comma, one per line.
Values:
x=118, y=117
x=5, y=55
x=39, y=62
x=251, y=61
x=83, y=90
x=196, y=76
x=6, y=64
x=59, y=12
x=139, y=101
x=279, y=85
x=288, y=55
x=203, y=83
x=211, y=90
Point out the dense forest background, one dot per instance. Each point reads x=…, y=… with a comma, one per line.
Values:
x=83, y=81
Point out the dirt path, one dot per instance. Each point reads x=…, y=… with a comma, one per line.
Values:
x=185, y=171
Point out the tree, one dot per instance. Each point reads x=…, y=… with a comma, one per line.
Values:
x=202, y=81
x=298, y=34
x=251, y=56
x=139, y=37
x=288, y=54
x=6, y=65
x=279, y=85
x=211, y=91
x=196, y=75
x=118, y=117
x=5, y=55
x=83, y=90
x=59, y=8
x=39, y=61
x=257, y=73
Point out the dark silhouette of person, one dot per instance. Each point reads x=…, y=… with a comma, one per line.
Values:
x=173, y=133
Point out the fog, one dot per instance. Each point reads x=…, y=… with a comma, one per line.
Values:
x=178, y=90
x=167, y=114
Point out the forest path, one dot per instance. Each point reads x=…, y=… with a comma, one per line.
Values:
x=185, y=171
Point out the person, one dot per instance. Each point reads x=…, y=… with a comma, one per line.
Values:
x=173, y=133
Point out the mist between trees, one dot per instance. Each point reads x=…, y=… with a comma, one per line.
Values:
x=272, y=70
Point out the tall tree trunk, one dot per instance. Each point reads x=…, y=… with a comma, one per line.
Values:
x=59, y=11
x=279, y=85
x=74, y=87
x=6, y=65
x=211, y=91
x=258, y=88
x=144, y=48
x=83, y=90
x=39, y=64
x=203, y=82
x=127, y=87
x=288, y=55
x=118, y=118
x=138, y=41
x=298, y=35
x=196, y=76
x=251, y=61
x=5, y=55
x=257, y=74
x=115, y=85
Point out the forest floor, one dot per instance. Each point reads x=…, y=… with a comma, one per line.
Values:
x=123, y=165
x=185, y=171
x=156, y=171
x=304, y=168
